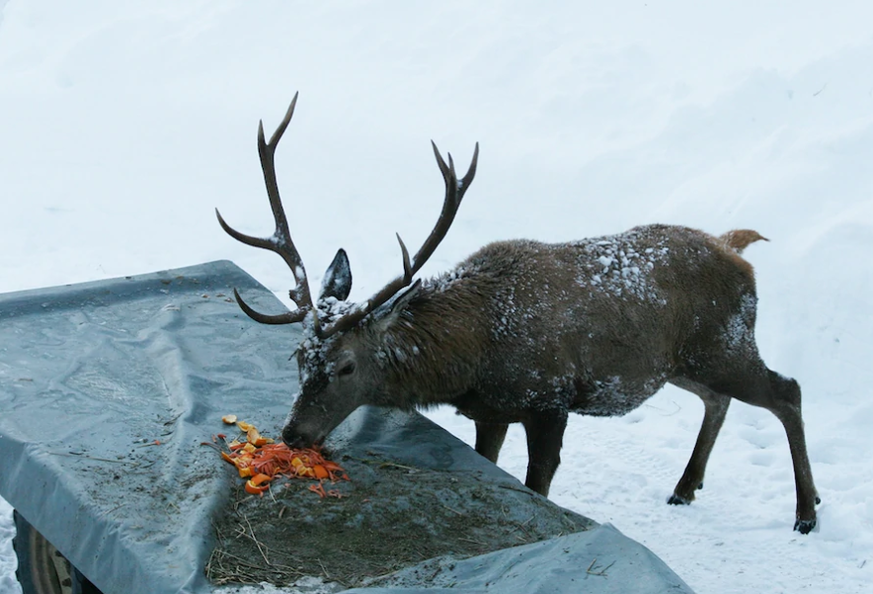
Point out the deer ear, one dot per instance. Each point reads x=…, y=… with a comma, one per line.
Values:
x=404, y=298
x=388, y=318
x=337, y=281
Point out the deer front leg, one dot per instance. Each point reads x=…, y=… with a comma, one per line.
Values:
x=489, y=439
x=545, y=435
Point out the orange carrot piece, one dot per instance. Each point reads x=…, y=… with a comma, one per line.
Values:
x=318, y=488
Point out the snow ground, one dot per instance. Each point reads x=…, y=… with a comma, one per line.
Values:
x=122, y=125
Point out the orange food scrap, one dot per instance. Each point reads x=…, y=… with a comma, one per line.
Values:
x=229, y=419
x=262, y=459
x=258, y=484
x=261, y=478
x=255, y=438
x=255, y=490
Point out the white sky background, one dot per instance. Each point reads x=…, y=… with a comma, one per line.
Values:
x=122, y=125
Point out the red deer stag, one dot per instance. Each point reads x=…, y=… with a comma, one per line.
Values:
x=525, y=332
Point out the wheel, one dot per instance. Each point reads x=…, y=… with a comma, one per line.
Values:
x=41, y=567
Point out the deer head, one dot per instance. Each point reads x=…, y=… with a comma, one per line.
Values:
x=338, y=358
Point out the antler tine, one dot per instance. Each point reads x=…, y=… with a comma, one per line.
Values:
x=455, y=191
x=286, y=318
x=280, y=241
x=454, y=194
x=407, y=266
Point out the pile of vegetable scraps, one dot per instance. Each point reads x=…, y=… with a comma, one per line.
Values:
x=260, y=460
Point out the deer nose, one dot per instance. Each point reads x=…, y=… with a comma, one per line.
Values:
x=292, y=439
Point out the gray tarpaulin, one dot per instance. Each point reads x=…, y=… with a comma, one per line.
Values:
x=107, y=390
x=601, y=561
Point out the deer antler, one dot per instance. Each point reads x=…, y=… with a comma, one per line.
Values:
x=280, y=241
x=455, y=190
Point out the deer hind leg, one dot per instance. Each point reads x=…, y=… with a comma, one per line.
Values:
x=489, y=439
x=786, y=406
x=716, y=406
x=751, y=382
x=545, y=436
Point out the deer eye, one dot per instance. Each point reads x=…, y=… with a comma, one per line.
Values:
x=346, y=369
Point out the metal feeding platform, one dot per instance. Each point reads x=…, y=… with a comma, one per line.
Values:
x=109, y=390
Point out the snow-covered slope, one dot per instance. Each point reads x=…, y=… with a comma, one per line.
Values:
x=122, y=125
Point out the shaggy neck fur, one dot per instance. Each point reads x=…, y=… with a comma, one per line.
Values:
x=431, y=348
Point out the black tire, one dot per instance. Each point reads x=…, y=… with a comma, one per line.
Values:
x=41, y=567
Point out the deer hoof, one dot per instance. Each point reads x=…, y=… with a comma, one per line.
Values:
x=678, y=500
x=804, y=526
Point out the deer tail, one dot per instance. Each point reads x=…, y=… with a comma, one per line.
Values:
x=740, y=239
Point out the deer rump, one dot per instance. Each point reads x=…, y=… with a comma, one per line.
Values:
x=527, y=332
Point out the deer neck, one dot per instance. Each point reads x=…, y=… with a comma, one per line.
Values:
x=431, y=349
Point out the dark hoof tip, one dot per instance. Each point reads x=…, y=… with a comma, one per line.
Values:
x=700, y=486
x=817, y=499
x=677, y=500
x=804, y=526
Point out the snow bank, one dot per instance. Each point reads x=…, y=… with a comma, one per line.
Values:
x=125, y=124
